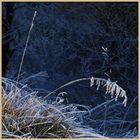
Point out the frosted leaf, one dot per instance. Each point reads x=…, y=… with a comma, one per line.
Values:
x=96, y=82
x=112, y=89
x=91, y=81
x=98, y=85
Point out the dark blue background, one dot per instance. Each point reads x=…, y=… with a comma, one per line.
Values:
x=66, y=41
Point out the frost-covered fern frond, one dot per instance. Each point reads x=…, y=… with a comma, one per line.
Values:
x=111, y=88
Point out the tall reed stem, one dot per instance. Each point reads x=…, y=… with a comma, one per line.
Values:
x=26, y=45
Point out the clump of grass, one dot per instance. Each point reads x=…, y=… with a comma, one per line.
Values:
x=25, y=115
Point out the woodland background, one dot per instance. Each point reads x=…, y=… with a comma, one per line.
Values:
x=75, y=40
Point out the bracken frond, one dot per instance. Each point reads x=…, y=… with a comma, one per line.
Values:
x=112, y=88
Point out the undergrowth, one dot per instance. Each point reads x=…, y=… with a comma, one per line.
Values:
x=24, y=114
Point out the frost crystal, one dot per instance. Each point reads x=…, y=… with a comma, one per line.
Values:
x=111, y=88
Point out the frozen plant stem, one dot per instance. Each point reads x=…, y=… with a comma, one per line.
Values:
x=26, y=45
x=67, y=84
x=112, y=88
